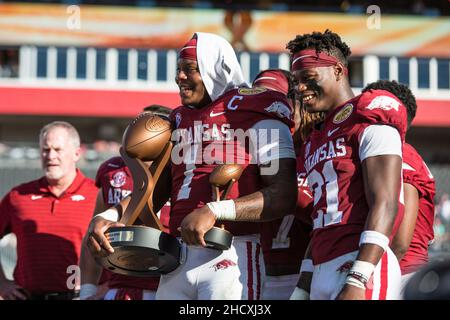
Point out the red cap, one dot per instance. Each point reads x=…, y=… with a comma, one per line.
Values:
x=274, y=80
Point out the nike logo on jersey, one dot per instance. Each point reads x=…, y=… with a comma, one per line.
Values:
x=34, y=197
x=331, y=132
x=212, y=114
x=77, y=197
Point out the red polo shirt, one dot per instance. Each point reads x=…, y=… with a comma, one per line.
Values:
x=49, y=231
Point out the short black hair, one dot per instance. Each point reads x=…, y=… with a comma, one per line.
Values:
x=327, y=41
x=158, y=110
x=401, y=91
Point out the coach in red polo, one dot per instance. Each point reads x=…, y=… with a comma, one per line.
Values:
x=49, y=217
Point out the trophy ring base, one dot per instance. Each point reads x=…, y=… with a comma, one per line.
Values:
x=219, y=239
x=141, y=251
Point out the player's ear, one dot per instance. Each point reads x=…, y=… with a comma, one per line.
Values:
x=339, y=71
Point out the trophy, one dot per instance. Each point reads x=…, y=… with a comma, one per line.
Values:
x=223, y=176
x=144, y=250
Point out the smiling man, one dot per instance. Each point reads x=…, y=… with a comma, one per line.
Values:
x=353, y=161
x=49, y=217
x=216, y=106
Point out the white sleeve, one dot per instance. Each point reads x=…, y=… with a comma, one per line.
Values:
x=272, y=140
x=377, y=140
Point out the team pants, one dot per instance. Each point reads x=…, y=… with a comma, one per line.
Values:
x=208, y=274
x=129, y=294
x=279, y=287
x=329, y=278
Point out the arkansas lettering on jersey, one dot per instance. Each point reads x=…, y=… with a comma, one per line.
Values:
x=208, y=133
x=115, y=179
x=417, y=174
x=334, y=170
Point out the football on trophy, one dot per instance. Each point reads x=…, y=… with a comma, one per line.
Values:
x=222, y=174
x=146, y=136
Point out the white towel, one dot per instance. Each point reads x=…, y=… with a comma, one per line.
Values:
x=218, y=65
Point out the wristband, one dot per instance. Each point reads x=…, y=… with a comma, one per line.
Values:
x=110, y=214
x=299, y=294
x=374, y=237
x=307, y=266
x=355, y=282
x=223, y=210
x=360, y=273
x=87, y=290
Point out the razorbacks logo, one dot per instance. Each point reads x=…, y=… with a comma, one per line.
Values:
x=77, y=197
x=343, y=114
x=118, y=179
x=384, y=103
x=281, y=110
x=223, y=264
x=345, y=267
x=251, y=91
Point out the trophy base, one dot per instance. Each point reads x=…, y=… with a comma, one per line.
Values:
x=219, y=239
x=141, y=251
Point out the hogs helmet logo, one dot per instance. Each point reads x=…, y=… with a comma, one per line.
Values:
x=118, y=179
x=345, y=267
x=177, y=119
x=223, y=264
x=383, y=102
x=251, y=91
x=343, y=114
x=280, y=109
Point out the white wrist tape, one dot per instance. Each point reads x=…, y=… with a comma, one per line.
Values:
x=374, y=237
x=307, y=266
x=87, y=290
x=110, y=214
x=355, y=282
x=223, y=210
x=299, y=294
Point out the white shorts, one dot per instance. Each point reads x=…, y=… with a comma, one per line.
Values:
x=329, y=278
x=208, y=274
x=279, y=287
x=146, y=294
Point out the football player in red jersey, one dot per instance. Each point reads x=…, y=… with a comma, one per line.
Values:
x=415, y=233
x=353, y=161
x=116, y=182
x=218, y=109
x=284, y=241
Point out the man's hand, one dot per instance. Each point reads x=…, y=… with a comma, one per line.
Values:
x=350, y=292
x=97, y=242
x=195, y=225
x=11, y=291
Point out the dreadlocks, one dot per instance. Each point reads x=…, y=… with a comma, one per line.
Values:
x=327, y=41
x=308, y=120
x=402, y=92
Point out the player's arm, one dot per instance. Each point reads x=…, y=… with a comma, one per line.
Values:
x=381, y=169
x=402, y=239
x=303, y=288
x=90, y=270
x=9, y=290
x=277, y=196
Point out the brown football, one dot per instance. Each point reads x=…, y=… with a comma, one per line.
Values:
x=222, y=174
x=146, y=136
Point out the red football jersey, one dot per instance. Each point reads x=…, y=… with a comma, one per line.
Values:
x=416, y=173
x=49, y=231
x=208, y=133
x=115, y=179
x=284, y=241
x=334, y=170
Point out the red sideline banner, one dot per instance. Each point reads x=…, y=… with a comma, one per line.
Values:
x=115, y=103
